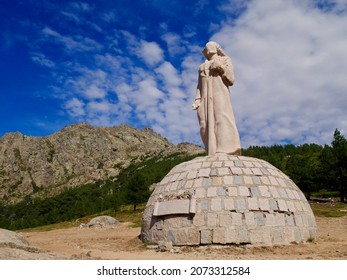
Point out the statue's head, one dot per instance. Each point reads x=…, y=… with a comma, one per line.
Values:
x=212, y=48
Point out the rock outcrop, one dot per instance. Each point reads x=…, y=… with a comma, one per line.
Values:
x=78, y=154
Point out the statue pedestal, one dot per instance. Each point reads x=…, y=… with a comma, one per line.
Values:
x=225, y=199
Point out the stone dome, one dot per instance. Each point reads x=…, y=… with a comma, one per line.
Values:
x=226, y=199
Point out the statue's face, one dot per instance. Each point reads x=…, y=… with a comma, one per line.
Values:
x=210, y=50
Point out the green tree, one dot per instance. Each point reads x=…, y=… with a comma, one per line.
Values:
x=137, y=190
x=339, y=150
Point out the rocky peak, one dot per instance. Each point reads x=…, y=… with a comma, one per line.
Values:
x=78, y=154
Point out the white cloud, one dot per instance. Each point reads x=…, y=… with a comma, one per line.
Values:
x=78, y=43
x=75, y=107
x=150, y=52
x=290, y=67
x=174, y=42
x=42, y=60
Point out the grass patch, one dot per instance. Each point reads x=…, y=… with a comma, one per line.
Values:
x=127, y=214
x=62, y=225
x=335, y=210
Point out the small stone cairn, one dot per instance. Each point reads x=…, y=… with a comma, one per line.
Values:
x=227, y=199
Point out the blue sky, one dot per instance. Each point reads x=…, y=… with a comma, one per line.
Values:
x=135, y=62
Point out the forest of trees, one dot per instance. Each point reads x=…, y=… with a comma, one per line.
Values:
x=319, y=171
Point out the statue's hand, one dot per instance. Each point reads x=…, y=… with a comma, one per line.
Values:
x=196, y=104
x=216, y=65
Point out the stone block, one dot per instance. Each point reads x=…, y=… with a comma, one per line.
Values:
x=199, y=220
x=265, y=180
x=174, y=177
x=193, y=236
x=222, y=191
x=229, y=204
x=298, y=220
x=290, y=205
x=204, y=172
x=172, y=222
x=238, y=163
x=253, y=203
x=257, y=171
x=207, y=182
x=270, y=219
x=203, y=205
x=200, y=193
x=232, y=191
x=244, y=236
x=277, y=236
x=216, y=204
x=259, y=218
x=248, y=180
x=197, y=183
x=183, y=176
x=282, y=206
x=243, y=191
x=273, y=181
x=247, y=171
x=189, y=184
x=250, y=219
x=247, y=163
x=229, y=164
x=217, y=164
x=256, y=236
x=219, y=236
x=265, y=171
x=223, y=157
x=159, y=225
x=157, y=235
x=282, y=193
x=225, y=220
x=212, y=192
x=297, y=235
x=177, y=206
x=279, y=219
x=236, y=219
x=298, y=205
x=205, y=236
x=165, y=246
x=192, y=174
x=240, y=204
x=213, y=172
x=228, y=180
x=274, y=192
x=217, y=181
x=171, y=236
x=255, y=191
x=223, y=171
x=290, y=193
x=264, y=191
x=212, y=219
x=231, y=236
x=289, y=220
x=281, y=182
x=256, y=180
x=264, y=204
x=206, y=164
x=236, y=170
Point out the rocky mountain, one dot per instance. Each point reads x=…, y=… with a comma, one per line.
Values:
x=78, y=154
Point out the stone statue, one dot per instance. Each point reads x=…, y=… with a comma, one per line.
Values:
x=212, y=102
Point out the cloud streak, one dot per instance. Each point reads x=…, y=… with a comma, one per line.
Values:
x=290, y=67
x=289, y=59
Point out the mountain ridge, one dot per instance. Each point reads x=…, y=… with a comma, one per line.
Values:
x=75, y=155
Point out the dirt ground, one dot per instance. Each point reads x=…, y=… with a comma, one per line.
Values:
x=123, y=243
